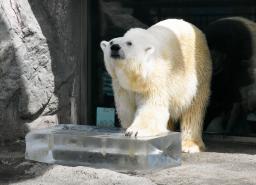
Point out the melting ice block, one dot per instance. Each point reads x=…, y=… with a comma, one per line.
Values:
x=103, y=148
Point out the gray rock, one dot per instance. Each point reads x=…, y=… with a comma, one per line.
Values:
x=38, y=60
x=112, y=19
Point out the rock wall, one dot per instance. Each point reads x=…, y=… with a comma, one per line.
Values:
x=39, y=53
x=233, y=100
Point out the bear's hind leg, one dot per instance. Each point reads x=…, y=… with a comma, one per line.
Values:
x=192, y=123
x=171, y=124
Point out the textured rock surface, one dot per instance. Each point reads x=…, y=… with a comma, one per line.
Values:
x=57, y=20
x=37, y=64
x=112, y=19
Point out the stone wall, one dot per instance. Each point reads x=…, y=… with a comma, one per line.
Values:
x=39, y=54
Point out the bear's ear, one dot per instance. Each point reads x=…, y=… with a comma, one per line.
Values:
x=150, y=50
x=103, y=44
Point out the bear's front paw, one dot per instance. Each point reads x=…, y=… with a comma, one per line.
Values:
x=192, y=146
x=136, y=131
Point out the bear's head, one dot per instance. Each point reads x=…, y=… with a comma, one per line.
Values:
x=136, y=45
x=130, y=58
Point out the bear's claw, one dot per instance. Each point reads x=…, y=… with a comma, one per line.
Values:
x=129, y=134
x=191, y=146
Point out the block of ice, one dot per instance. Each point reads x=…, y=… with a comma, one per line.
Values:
x=102, y=148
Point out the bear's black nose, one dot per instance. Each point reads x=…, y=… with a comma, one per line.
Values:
x=115, y=47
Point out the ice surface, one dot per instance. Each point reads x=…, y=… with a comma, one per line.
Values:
x=102, y=148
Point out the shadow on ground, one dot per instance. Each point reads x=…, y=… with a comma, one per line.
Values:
x=13, y=165
x=230, y=147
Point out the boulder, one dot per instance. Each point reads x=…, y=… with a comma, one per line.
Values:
x=38, y=63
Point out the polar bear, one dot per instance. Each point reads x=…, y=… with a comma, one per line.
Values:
x=160, y=76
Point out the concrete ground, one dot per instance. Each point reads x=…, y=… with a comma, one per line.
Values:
x=224, y=163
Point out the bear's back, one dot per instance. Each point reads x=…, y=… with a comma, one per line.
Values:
x=191, y=43
x=181, y=37
x=179, y=27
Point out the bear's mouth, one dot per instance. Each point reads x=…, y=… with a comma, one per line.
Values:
x=116, y=55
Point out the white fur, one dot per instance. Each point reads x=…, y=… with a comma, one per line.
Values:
x=125, y=104
x=164, y=76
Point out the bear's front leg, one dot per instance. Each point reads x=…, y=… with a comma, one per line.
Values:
x=150, y=120
x=125, y=104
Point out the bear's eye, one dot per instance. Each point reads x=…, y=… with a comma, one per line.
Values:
x=129, y=43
